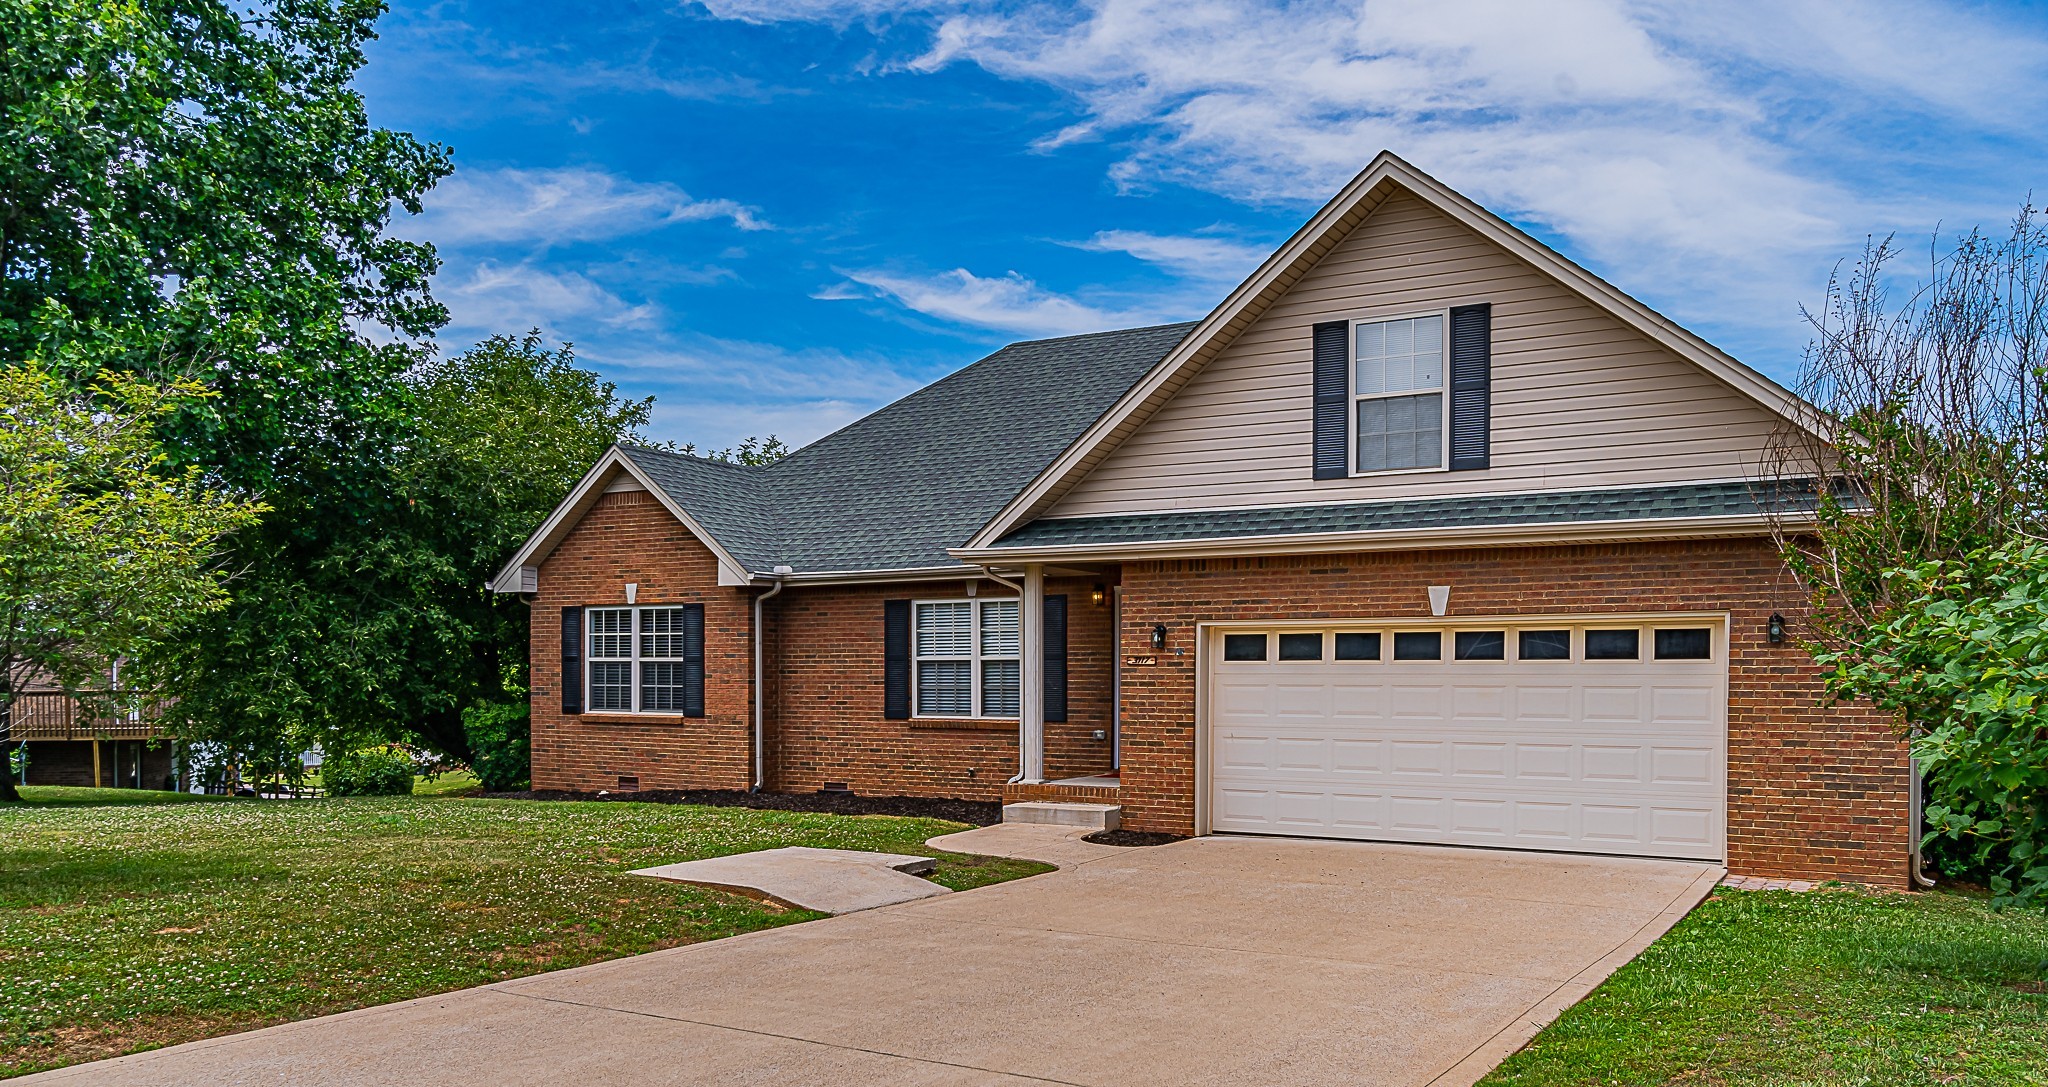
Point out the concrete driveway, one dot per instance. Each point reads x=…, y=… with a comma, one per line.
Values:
x=1212, y=961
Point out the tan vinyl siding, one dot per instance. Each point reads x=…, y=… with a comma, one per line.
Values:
x=1579, y=399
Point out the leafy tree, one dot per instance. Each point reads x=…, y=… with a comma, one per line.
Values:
x=187, y=186
x=750, y=451
x=507, y=428
x=1927, y=587
x=1964, y=657
x=106, y=553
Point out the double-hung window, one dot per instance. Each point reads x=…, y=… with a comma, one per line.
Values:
x=646, y=660
x=1397, y=394
x=967, y=657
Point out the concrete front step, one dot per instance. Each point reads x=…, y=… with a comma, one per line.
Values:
x=1092, y=816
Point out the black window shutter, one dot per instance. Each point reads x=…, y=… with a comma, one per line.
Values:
x=1332, y=346
x=572, y=660
x=1471, y=386
x=693, y=660
x=1055, y=636
x=896, y=660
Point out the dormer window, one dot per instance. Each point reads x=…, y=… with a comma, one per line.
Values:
x=1397, y=394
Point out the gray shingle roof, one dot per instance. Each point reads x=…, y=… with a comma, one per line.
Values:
x=1683, y=500
x=895, y=489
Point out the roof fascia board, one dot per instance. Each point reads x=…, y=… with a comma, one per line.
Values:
x=731, y=572
x=1390, y=168
x=1661, y=528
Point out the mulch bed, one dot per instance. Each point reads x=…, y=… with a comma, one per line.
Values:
x=1133, y=837
x=980, y=813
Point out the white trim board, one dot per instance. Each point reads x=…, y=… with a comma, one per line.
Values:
x=600, y=480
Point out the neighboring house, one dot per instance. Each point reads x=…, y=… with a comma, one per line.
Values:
x=67, y=742
x=1424, y=534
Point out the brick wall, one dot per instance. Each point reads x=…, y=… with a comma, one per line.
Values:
x=69, y=762
x=828, y=700
x=1813, y=792
x=629, y=537
x=824, y=680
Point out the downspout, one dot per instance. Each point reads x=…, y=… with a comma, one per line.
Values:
x=999, y=579
x=760, y=693
x=1917, y=802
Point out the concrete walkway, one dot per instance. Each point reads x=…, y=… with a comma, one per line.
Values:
x=826, y=880
x=1212, y=961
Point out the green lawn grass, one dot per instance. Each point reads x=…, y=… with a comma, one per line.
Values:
x=453, y=783
x=1773, y=988
x=131, y=920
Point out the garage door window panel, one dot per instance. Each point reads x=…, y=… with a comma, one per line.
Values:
x=1480, y=645
x=1543, y=645
x=1614, y=645
x=1301, y=647
x=1684, y=644
x=1244, y=647
x=1358, y=646
x=1419, y=645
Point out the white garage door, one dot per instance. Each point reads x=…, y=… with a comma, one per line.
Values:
x=1598, y=738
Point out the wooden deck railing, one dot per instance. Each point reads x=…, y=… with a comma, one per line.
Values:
x=47, y=715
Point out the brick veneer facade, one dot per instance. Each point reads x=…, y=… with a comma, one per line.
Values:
x=1814, y=792
x=828, y=700
x=824, y=720
x=629, y=537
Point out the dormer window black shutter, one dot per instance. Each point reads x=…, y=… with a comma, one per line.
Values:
x=693, y=660
x=1471, y=386
x=896, y=660
x=1055, y=635
x=572, y=660
x=1332, y=383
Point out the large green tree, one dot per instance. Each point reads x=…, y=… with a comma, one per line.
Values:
x=106, y=555
x=189, y=188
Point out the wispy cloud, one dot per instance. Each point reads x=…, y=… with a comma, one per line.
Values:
x=1005, y=303
x=1194, y=255
x=497, y=298
x=564, y=205
x=1716, y=155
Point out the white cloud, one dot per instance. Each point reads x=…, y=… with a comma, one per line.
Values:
x=514, y=297
x=1714, y=158
x=1006, y=303
x=713, y=392
x=563, y=205
x=1194, y=255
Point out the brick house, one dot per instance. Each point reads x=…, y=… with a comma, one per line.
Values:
x=1424, y=534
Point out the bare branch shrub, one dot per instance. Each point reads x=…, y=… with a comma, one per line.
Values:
x=1934, y=414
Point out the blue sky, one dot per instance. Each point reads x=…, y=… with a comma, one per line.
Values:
x=774, y=217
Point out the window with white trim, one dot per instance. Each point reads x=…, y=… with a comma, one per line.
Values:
x=967, y=658
x=637, y=660
x=1397, y=394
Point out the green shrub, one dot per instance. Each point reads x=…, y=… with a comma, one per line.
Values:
x=1965, y=663
x=498, y=743
x=367, y=773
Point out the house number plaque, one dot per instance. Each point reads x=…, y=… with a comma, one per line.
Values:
x=1139, y=662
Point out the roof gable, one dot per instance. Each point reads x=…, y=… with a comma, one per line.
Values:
x=1386, y=179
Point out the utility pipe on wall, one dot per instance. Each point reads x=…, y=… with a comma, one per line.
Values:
x=1019, y=590
x=759, y=692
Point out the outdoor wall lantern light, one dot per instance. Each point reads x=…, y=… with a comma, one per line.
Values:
x=1158, y=636
x=1096, y=595
x=1776, y=630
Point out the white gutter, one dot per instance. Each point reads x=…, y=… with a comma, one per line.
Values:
x=760, y=693
x=1561, y=532
x=1916, y=802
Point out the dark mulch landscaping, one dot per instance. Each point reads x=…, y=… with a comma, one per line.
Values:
x=980, y=813
x=1133, y=837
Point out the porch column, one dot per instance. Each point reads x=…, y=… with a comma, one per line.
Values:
x=1031, y=673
